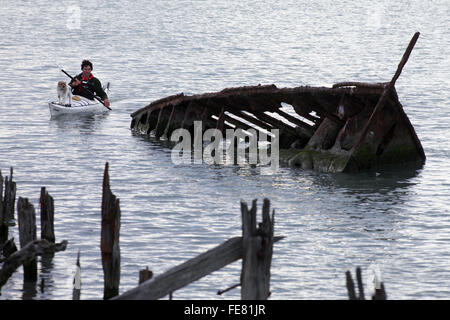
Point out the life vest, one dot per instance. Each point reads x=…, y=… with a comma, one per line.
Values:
x=83, y=78
x=85, y=84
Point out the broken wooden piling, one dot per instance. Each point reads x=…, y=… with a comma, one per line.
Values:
x=379, y=294
x=144, y=275
x=7, y=204
x=9, y=199
x=47, y=216
x=27, y=233
x=351, y=285
x=257, y=255
x=109, y=242
x=30, y=248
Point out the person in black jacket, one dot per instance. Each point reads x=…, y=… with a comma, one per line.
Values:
x=86, y=80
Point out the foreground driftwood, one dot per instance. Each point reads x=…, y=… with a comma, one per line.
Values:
x=7, y=204
x=188, y=272
x=255, y=248
x=28, y=253
x=349, y=127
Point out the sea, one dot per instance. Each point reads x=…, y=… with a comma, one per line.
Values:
x=393, y=223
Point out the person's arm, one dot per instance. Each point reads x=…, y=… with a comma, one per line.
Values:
x=99, y=90
x=75, y=83
x=101, y=93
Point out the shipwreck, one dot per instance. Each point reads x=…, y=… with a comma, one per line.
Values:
x=349, y=127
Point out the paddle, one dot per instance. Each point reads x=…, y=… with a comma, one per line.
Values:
x=88, y=91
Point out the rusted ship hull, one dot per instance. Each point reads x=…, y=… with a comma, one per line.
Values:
x=346, y=128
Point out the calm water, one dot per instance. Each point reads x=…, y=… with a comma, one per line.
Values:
x=395, y=220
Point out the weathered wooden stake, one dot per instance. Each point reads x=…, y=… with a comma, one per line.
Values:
x=351, y=286
x=145, y=275
x=27, y=233
x=110, y=239
x=9, y=200
x=47, y=216
x=257, y=254
x=380, y=293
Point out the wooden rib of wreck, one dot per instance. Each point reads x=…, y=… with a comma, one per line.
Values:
x=349, y=127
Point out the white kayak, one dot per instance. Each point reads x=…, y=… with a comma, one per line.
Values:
x=79, y=105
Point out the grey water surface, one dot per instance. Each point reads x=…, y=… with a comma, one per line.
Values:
x=396, y=220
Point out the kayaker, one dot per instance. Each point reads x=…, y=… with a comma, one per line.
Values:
x=87, y=80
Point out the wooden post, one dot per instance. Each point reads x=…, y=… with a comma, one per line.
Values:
x=7, y=202
x=110, y=239
x=47, y=216
x=27, y=233
x=351, y=285
x=145, y=275
x=379, y=294
x=9, y=199
x=257, y=252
